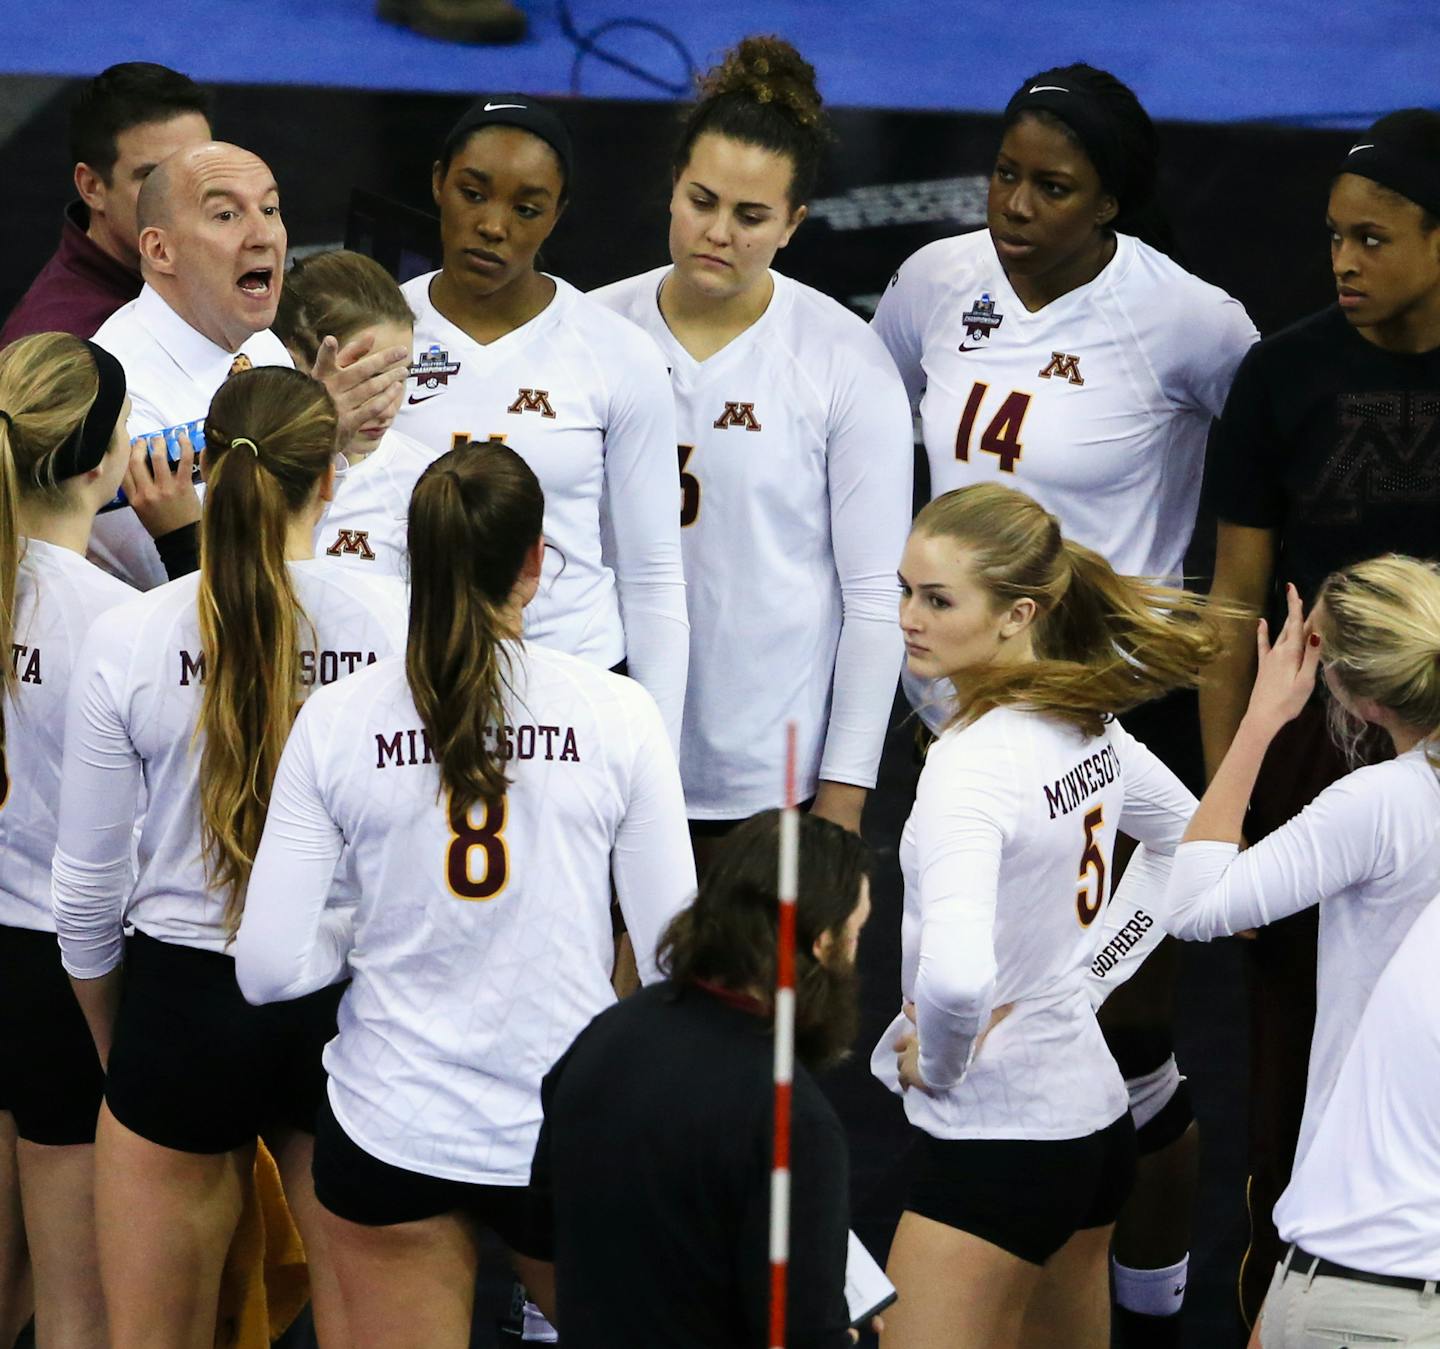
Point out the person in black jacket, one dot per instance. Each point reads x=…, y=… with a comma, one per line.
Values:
x=655, y=1154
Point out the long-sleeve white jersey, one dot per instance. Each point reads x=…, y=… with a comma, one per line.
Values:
x=582, y=395
x=1367, y=850
x=796, y=473
x=482, y=944
x=1366, y=1192
x=367, y=522
x=58, y=595
x=1006, y=860
x=131, y=716
x=1097, y=405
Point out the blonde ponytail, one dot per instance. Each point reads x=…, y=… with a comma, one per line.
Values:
x=269, y=439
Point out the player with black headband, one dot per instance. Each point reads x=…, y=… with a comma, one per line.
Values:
x=796, y=461
x=507, y=352
x=1326, y=455
x=1059, y=353
x=63, y=452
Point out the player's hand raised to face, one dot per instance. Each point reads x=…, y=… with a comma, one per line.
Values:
x=1285, y=678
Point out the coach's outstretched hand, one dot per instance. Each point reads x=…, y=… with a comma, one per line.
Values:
x=365, y=384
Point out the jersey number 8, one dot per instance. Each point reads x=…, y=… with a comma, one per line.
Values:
x=1091, y=896
x=488, y=837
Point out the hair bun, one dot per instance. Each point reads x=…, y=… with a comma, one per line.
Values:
x=767, y=70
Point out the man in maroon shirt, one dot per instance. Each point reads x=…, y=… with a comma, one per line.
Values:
x=124, y=123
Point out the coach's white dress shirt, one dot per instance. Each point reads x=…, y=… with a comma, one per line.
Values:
x=173, y=371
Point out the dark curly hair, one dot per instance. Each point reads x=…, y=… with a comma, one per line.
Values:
x=763, y=93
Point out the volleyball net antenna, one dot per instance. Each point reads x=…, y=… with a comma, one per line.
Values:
x=789, y=879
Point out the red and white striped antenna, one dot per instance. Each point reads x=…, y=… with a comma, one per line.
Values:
x=784, y=1048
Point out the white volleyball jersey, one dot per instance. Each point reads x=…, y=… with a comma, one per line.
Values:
x=482, y=943
x=796, y=473
x=1366, y=1193
x=173, y=371
x=133, y=707
x=1367, y=850
x=366, y=523
x=582, y=395
x=58, y=595
x=1097, y=405
x=1006, y=859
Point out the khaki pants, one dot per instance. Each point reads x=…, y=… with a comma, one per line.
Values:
x=1306, y=1312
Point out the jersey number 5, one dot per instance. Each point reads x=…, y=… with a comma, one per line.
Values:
x=689, y=490
x=1002, y=436
x=1091, y=896
x=488, y=838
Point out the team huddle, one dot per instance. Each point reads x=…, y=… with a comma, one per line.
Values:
x=395, y=725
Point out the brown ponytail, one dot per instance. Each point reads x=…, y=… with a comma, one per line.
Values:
x=475, y=514
x=1104, y=643
x=269, y=438
x=47, y=383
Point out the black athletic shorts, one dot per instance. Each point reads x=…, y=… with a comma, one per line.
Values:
x=1027, y=1196
x=196, y=1068
x=357, y=1186
x=50, y=1077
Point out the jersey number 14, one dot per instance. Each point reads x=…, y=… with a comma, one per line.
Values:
x=1001, y=437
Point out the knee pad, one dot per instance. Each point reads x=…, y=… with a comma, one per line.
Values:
x=1160, y=1105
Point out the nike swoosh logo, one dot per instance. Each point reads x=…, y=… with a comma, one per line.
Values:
x=1048, y=88
x=425, y=399
x=1354, y=148
x=963, y=347
x=495, y=107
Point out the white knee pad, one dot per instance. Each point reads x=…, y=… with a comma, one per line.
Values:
x=1150, y=1094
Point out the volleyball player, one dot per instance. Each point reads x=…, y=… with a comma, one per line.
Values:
x=505, y=351
x=486, y=791
x=1059, y=353
x=1028, y=1147
x=795, y=458
x=63, y=452
x=352, y=299
x=1366, y=849
x=191, y=690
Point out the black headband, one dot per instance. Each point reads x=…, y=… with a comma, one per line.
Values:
x=518, y=111
x=85, y=446
x=1400, y=152
x=1088, y=121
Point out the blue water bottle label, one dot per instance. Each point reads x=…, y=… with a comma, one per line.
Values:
x=173, y=451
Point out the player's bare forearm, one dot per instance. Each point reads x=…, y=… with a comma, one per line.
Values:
x=99, y=1001
x=1244, y=570
x=1225, y=694
x=840, y=802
